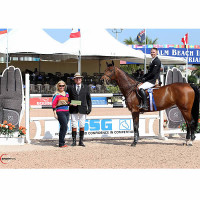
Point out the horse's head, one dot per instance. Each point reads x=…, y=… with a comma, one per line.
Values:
x=109, y=73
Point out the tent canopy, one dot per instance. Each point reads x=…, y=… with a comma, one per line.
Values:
x=93, y=44
x=165, y=60
x=30, y=41
x=99, y=44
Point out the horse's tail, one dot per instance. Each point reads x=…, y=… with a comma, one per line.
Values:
x=195, y=107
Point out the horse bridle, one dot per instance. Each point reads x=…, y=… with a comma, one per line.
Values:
x=134, y=87
x=111, y=74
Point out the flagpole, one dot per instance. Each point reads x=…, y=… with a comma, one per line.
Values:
x=187, y=62
x=79, y=58
x=7, y=51
x=145, y=54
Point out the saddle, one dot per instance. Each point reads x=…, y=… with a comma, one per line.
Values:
x=156, y=86
x=149, y=95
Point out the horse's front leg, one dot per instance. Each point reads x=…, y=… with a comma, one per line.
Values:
x=135, y=116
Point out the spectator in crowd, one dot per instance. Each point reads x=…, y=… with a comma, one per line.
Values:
x=79, y=92
x=60, y=105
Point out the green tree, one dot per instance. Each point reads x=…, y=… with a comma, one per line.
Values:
x=197, y=71
x=148, y=41
x=129, y=41
x=192, y=79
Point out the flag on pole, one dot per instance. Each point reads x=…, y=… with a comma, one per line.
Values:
x=141, y=36
x=185, y=39
x=76, y=33
x=2, y=31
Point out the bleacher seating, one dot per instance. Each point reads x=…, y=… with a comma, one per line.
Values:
x=42, y=83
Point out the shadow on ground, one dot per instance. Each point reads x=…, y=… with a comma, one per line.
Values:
x=112, y=141
x=141, y=142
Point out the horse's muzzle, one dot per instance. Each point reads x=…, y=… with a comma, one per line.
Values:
x=105, y=79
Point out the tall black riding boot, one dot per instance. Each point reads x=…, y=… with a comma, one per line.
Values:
x=81, y=138
x=73, y=138
x=143, y=104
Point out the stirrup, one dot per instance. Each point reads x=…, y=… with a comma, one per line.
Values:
x=145, y=108
x=141, y=106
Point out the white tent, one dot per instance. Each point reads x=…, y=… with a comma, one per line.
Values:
x=99, y=44
x=94, y=44
x=31, y=41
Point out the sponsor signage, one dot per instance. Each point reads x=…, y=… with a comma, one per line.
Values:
x=101, y=127
x=44, y=101
x=93, y=127
x=193, y=54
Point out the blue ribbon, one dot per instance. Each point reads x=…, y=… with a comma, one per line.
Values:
x=151, y=99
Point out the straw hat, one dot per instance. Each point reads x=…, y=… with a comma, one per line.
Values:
x=78, y=75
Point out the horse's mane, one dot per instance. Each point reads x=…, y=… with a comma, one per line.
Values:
x=128, y=75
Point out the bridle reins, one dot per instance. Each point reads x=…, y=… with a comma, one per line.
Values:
x=133, y=88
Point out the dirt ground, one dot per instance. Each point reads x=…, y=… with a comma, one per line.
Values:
x=102, y=153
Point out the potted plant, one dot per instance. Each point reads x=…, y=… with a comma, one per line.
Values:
x=9, y=135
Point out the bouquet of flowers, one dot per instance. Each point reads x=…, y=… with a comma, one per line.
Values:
x=8, y=129
x=22, y=131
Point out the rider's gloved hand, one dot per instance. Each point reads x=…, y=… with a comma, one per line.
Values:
x=11, y=96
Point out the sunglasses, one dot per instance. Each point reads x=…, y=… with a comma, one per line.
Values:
x=61, y=86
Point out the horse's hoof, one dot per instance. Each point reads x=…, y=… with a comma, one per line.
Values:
x=189, y=145
x=193, y=138
x=133, y=144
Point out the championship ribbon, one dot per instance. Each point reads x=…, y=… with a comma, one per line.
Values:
x=151, y=99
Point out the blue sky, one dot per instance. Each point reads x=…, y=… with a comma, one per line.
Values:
x=165, y=36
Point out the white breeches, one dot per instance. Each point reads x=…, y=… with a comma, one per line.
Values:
x=146, y=85
x=78, y=117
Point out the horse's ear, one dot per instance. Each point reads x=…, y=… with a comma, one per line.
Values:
x=107, y=64
x=113, y=63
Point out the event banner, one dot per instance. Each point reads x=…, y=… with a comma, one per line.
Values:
x=93, y=127
x=47, y=101
x=193, y=54
x=102, y=127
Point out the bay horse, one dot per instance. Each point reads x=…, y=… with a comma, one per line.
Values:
x=184, y=95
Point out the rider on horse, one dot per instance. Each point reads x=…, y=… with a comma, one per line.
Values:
x=149, y=79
